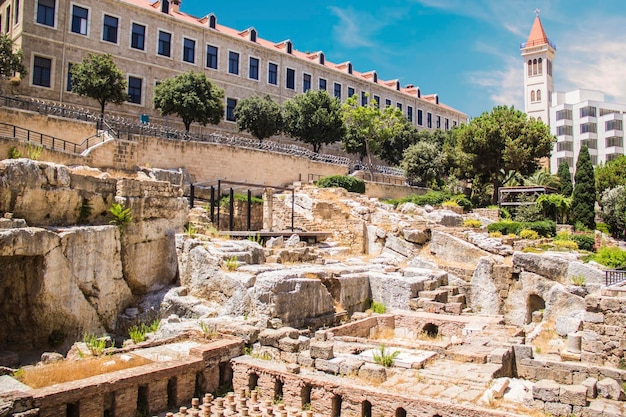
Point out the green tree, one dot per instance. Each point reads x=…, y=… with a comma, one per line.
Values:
x=496, y=145
x=314, y=118
x=191, y=96
x=368, y=127
x=261, y=116
x=392, y=149
x=423, y=163
x=99, y=78
x=555, y=206
x=611, y=174
x=565, y=177
x=10, y=61
x=584, y=197
x=613, y=203
x=542, y=178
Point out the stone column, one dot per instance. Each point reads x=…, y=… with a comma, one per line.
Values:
x=574, y=342
x=268, y=218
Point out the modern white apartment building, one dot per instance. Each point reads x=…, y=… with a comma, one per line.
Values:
x=153, y=40
x=583, y=117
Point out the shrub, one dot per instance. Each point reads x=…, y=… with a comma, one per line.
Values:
x=613, y=257
x=232, y=264
x=121, y=215
x=529, y=234
x=495, y=234
x=379, y=308
x=504, y=227
x=584, y=241
x=544, y=228
x=14, y=153
x=432, y=198
x=603, y=227
x=384, y=357
x=137, y=333
x=473, y=223
x=96, y=344
x=352, y=184
x=463, y=201
x=34, y=151
x=450, y=203
x=565, y=245
x=225, y=200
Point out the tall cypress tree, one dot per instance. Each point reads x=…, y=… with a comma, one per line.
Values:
x=584, y=198
x=566, y=179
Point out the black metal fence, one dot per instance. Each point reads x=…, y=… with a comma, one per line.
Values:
x=614, y=276
x=47, y=141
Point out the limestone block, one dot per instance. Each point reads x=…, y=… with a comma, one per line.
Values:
x=557, y=409
x=573, y=395
x=330, y=366
x=492, y=245
x=305, y=342
x=590, y=384
x=553, y=267
x=272, y=337
x=289, y=357
x=546, y=390
x=590, y=317
x=292, y=368
x=288, y=344
x=452, y=249
x=453, y=308
x=350, y=366
x=483, y=291
x=321, y=350
x=592, y=274
x=304, y=359
x=499, y=387
x=523, y=352
x=395, y=291
x=400, y=246
x=605, y=408
x=569, y=323
x=373, y=372
x=419, y=237
x=611, y=389
x=374, y=240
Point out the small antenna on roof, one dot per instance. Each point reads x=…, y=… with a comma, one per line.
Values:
x=537, y=11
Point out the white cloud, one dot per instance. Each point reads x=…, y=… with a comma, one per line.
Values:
x=350, y=30
x=504, y=86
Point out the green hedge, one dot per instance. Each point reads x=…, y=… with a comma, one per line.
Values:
x=545, y=228
x=351, y=184
x=584, y=241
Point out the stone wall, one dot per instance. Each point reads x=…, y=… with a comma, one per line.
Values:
x=156, y=386
x=74, y=131
x=603, y=331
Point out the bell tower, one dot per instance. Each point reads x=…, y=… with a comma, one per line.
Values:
x=538, y=53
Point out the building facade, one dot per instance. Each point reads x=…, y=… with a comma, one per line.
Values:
x=583, y=117
x=154, y=40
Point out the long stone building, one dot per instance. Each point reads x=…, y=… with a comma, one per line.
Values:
x=154, y=40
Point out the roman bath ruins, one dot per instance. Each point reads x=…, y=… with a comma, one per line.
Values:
x=340, y=304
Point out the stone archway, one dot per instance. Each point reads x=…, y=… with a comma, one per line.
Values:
x=534, y=303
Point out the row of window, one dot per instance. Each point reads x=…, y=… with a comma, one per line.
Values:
x=535, y=96
x=588, y=111
x=535, y=67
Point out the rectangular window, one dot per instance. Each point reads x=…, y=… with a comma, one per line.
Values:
x=387, y=103
x=377, y=100
x=447, y=123
x=614, y=125
x=589, y=128
x=42, y=67
x=69, y=77
x=272, y=73
x=189, y=50
x=306, y=82
x=233, y=63
x=45, y=12
x=429, y=120
x=17, y=12
x=138, y=36
x=337, y=90
x=566, y=146
x=363, y=98
x=109, y=30
x=399, y=105
x=588, y=111
x=612, y=156
x=79, y=20
x=322, y=84
x=564, y=114
x=608, y=111
x=589, y=143
x=350, y=92
x=614, y=141
x=420, y=117
x=8, y=22
x=564, y=131
x=165, y=44
x=438, y=122
x=231, y=103
x=409, y=113
x=290, y=82
x=211, y=56
x=134, y=90
x=253, y=69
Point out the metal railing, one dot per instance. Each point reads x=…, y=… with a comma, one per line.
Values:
x=121, y=128
x=47, y=141
x=614, y=276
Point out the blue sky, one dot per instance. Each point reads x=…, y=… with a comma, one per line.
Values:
x=467, y=51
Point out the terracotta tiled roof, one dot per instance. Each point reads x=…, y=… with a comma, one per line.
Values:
x=537, y=34
x=156, y=4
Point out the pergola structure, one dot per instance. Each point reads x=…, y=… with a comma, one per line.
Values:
x=522, y=195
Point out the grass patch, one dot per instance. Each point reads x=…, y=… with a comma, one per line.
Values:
x=384, y=357
x=379, y=308
x=65, y=371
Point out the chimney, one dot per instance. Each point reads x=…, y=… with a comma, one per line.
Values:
x=176, y=5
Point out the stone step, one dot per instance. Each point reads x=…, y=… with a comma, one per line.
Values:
x=459, y=298
x=615, y=291
x=452, y=289
x=430, y=306
x=440, y=296
x=454, y=308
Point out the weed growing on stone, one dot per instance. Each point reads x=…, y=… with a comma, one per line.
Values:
x=137, y=333
x=256, y=239
x=14, y=153
x=232, y=264
x=121, y=215
x=384, y=357
x=96, y=344
x=191, y=230
x=473, y=223
x=379, y=308
x=209, y=332
x=578, y=280
x=34, y=151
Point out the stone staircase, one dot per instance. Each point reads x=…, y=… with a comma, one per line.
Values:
x=439, y=297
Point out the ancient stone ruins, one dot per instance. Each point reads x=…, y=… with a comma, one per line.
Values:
x=393, y=312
